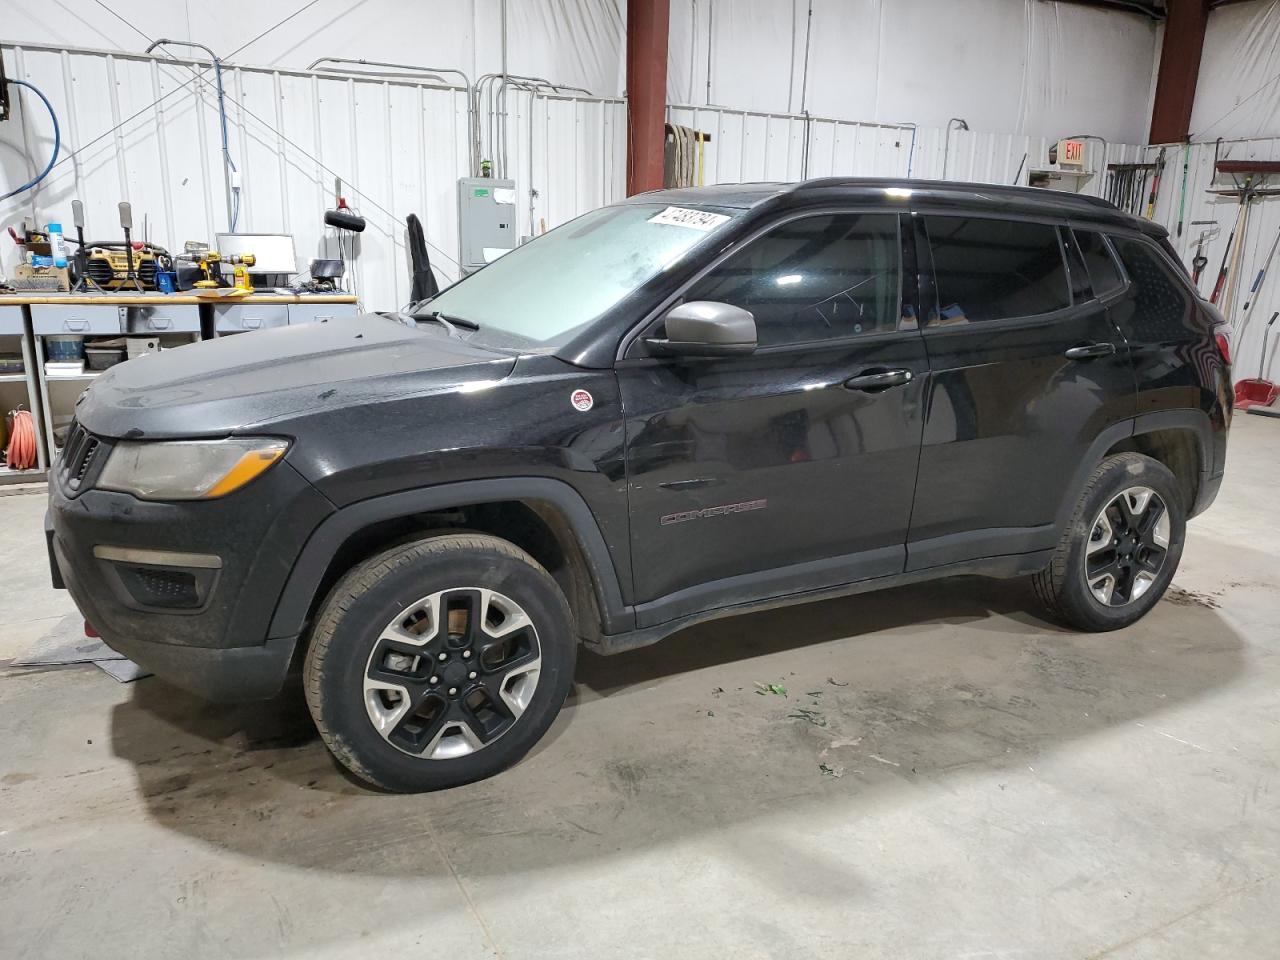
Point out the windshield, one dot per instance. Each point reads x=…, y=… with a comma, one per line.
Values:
x=543, y=292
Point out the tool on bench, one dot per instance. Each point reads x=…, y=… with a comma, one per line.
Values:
x=104, y=265
x=84, y=282
x=126, y=224
x=210, y=264
x=242, y=262
x=324, y=276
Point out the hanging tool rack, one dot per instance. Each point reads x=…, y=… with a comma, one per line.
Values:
x=1255, y=174
x=1249, y=183
x=1127, y=184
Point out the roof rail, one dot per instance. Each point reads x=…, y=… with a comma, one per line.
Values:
x=951, y=186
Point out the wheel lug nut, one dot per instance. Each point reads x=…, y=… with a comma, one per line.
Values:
x=466, y=654
x=453, y=691
x=435, y=680
x=471, y=675
x=443, y=656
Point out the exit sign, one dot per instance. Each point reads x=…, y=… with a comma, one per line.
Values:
x=1071, y=153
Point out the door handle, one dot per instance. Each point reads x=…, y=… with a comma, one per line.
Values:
x=881, y=380
x=1087, y=351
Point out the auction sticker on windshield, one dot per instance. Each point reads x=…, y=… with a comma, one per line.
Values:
x=684, y=217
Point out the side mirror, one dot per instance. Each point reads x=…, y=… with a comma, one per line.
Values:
x=703, y=328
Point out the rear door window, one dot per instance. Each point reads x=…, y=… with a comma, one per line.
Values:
x=1103, y=272
x=995, y=269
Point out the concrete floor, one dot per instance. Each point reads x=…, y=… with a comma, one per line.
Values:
x=1008, y=789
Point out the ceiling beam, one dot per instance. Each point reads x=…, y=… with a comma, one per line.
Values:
x=648, y=22
x=1152, y=9
x=1179, y=69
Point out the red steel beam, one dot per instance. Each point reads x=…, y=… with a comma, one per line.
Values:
x=647, y=25
x=1179, y=68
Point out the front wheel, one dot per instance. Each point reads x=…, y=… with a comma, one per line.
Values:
x=440, y=662
x=1120, y=551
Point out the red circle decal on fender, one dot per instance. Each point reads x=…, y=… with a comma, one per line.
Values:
x=581, y=400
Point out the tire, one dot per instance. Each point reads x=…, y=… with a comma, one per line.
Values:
x=439, y=662
x=1106, y=546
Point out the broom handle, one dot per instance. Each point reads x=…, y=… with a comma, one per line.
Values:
x=1266, y=265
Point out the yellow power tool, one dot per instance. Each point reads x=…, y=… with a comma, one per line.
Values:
x=210, y=264
x=242, y=262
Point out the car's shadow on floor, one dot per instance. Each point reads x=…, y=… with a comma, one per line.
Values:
x=676, y=738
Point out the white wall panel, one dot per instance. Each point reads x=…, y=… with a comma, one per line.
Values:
x=1238, y=91
x=748, y=146
x=575, y=162
x=1021, y=66
x=577, y=42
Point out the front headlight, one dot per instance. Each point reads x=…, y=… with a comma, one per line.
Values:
x=188, y=469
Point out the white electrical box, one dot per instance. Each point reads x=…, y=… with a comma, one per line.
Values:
x=486, y=220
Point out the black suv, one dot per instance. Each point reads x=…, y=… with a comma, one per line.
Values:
x=690, y=404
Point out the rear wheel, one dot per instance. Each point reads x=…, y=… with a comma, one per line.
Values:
x=439, y=663
x=1121, y=549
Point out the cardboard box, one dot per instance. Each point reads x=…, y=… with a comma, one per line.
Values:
x=25, y=272
x=141, y=346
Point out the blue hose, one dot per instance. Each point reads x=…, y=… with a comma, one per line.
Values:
x=57, y=140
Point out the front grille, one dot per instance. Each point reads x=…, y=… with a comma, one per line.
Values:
x=80, y=454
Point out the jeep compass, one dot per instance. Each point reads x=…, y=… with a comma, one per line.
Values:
x=686, y=405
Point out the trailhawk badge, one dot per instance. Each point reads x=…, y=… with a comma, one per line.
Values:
x=581, y=400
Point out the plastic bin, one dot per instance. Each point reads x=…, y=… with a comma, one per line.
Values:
x=64, y=347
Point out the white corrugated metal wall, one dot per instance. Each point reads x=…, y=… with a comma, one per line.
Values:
x=749, y=145
x=566, y=154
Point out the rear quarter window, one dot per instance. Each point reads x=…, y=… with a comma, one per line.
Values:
x=1162, y=306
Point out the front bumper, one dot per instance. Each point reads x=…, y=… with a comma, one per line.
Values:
x=111, y=550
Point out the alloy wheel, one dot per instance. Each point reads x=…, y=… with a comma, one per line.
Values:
x=1127, y=547
x=452, y=673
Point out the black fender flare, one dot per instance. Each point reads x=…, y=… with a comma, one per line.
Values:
x=1196, y=421
x=308, y=571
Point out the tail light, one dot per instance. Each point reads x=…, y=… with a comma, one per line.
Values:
x=1222, y=335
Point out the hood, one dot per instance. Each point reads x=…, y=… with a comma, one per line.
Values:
x=257, y=382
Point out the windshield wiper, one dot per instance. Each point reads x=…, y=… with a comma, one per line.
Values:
x=448, y=319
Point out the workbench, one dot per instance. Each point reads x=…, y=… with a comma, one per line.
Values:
x=171, y=318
